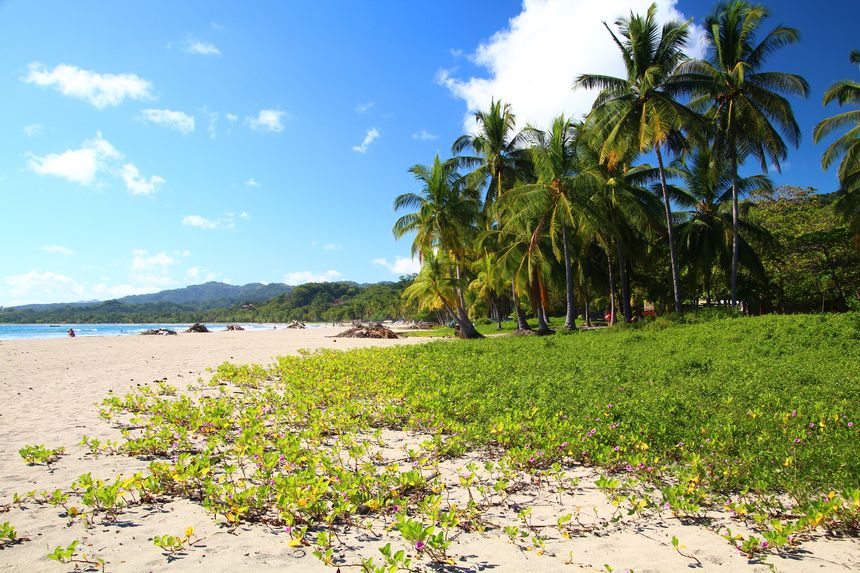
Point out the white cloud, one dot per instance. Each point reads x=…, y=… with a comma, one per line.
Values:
x=533, y=63
x=100, y=90
x=199, y=222
x=182, y=253
x=252, y=183
x=267, y=120
x=42, y=287
x=95, y=156
x=58, y=250
x=231, y=117
x=103, y=291
x=302, y=277
x=201, y=48
x=78, y=165
x=199, y=274
x=213, y=121
x=142, y=261
x=228, y=221
x=371, y=135
x=177, y=120
x=33, y=130
x=139, y=185
x=400, y=266
x=424, y=135
x=329, y=247
x=363, y=107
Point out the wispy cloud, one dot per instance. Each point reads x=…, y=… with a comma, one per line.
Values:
x=228, y=221
x=177, y=120
x=40, y=287
x=95, y=156
x=58, y=250
x=33, y=130
x=137, y=184
x=363, y=107
x=424, y=135
x=301, y=277
x=195, y=46
x=100, y=90
x=267, y=120
x=252, y=183
x=400, y=266
x=371, y=135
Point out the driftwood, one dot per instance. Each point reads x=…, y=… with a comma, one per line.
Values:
x=234, y=327
x=421, y=325
x=197, y=327
x=159, y=331
x=376, y=330
x=296, y=324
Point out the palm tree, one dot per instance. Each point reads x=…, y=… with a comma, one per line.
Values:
x=640, y=113
x=498, y=148
x=622, y=210
x=746, y=104
x=847, y=146
x=443, y=221
x=556, y=198
x=706, y=236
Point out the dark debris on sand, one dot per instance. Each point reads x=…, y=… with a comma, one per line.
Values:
x=375, y=330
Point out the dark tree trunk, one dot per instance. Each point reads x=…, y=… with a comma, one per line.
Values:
x=522, y=323
x=625, y=284
x=570, y=315
x=735, y=225
x=611, y=290
x=673, y=257
x=467, y=329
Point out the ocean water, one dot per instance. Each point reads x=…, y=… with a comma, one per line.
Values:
x=22, y=331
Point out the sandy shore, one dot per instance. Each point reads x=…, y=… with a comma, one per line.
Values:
x=48, y=395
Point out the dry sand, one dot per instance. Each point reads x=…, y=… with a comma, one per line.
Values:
x=48, y=395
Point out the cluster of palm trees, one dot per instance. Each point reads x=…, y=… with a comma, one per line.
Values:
x=517, y=217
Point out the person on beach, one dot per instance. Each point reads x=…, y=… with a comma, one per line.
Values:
x=71, y=333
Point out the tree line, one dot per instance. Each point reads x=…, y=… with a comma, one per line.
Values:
x=517, y=219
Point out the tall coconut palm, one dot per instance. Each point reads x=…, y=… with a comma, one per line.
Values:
x=706, y=235
x=498, y=150
x=846, y=147
x=745, y=103
x=499, y=160
x=556, y=199
x=640, y=113
x=443, y=221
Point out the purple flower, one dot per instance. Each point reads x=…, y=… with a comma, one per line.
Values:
x=609, y=406
x=419, y=545
x=796, y=440
x=850, y=424
x=628, y=467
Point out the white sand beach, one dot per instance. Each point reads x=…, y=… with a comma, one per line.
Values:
x=49, y=390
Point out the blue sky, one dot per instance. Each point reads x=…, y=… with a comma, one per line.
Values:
x=151, y=145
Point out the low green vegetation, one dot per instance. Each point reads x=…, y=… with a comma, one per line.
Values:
x=754, y=416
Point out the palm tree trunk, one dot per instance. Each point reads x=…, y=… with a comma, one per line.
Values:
x=543, y=328
x=625, y=284
x=611, y=290
x=735, y=225
x=467, y=329
x=522, y=323
x=673, y=257
x=570, y=315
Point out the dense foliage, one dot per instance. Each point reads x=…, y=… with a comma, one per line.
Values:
x=568, y=219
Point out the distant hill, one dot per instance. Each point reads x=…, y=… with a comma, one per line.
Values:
x=211, y=295
x=221, y=302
